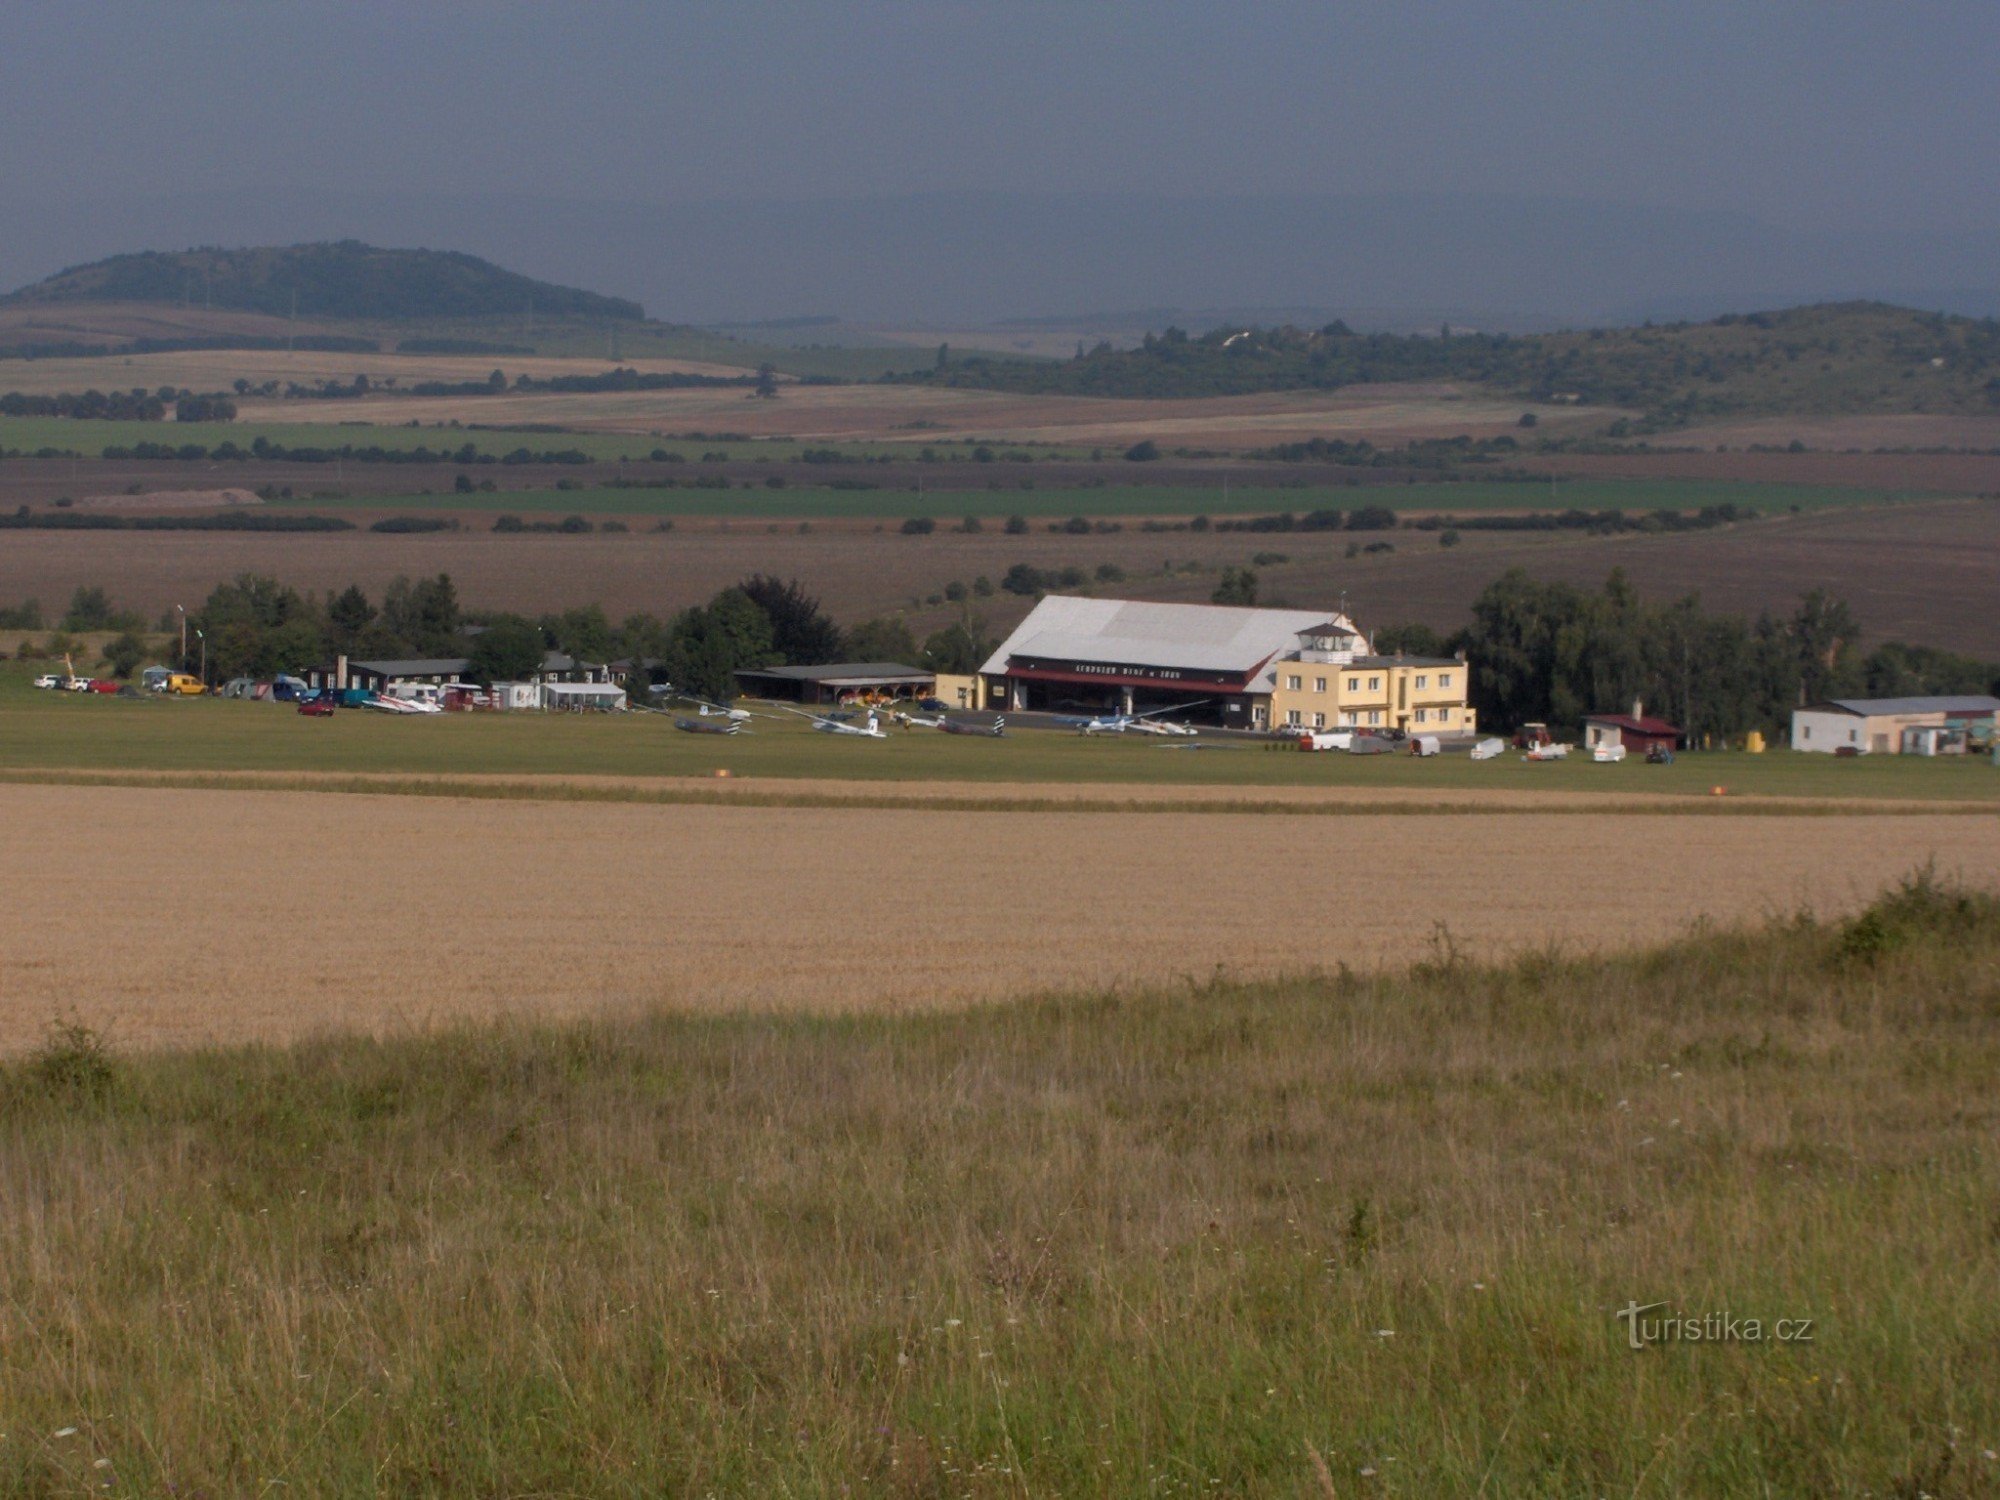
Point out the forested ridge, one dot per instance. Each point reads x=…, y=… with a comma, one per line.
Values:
x=1833, y=357
x=343, y=279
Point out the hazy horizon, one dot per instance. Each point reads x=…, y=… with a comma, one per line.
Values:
x=899, y=162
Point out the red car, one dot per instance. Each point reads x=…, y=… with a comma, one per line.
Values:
x=103, y=685
x=319, y=708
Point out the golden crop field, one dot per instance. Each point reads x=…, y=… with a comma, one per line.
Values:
x=176, y=916
x=216, y=369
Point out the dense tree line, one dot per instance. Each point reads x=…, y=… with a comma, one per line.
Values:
x=497, y=384
x=24, y=519
x=137, y=405
x=1554, y=652
x=263, y=449
x=1858, y=356
x=256, y=626
x=321, y=343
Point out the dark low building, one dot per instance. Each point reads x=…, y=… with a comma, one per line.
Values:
x=836, y=682
x=381, y=676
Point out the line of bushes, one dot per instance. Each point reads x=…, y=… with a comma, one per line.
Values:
x=229, y=520
x=1598, y=522
x=263, y=449
x=1363, y=518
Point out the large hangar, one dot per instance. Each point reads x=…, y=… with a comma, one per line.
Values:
x=1216, y=661
x=1275, y=669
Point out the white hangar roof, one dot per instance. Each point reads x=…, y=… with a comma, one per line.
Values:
x=1125, y=632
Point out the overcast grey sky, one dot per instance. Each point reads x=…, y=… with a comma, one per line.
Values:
x=1868, y=116
x=1790, y=110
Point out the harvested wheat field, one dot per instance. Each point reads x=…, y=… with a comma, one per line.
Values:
x=180, y=917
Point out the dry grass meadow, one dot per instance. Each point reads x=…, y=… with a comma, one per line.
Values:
x=1359, y=1235
x=185, y=917
x=217, y=369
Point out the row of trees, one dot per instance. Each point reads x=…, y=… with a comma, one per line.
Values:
x=1554, y=652
x=135, y=405
x=255, y=626
x=1828, y=357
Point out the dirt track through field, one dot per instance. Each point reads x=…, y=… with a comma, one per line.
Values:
x=180, y=917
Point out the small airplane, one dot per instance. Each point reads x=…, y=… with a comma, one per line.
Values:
x=1145, y=723
x=872, y=731
x=387, y=704
x=710, y=710
x=996, y=730
x=707, y=726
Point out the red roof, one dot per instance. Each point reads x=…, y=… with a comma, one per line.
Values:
x=1637, y=726
x=1195, y=684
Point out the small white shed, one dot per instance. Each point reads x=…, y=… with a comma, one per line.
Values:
x=603, y=697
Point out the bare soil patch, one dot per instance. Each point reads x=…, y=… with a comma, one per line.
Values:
x=166, y=500
x=314, y=913
x=1918, y=572
x=994, y=796
x=1865, y=431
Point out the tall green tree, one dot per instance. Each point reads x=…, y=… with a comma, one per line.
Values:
x=960, y=648
x=884, y=639
x=707, y=644
x=801, y=633
x=509, y=649
x=424, y=614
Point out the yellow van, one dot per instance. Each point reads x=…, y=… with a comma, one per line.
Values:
x=182, y=683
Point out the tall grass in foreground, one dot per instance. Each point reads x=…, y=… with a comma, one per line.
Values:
x=1235, y=1239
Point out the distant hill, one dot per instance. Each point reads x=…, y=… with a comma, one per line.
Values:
x=1828, y=358
x=340, y=280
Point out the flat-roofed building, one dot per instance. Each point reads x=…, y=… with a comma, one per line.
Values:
x=1895, y=726
x=836, y=682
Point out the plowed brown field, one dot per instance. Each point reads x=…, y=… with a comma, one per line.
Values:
x=176, y=916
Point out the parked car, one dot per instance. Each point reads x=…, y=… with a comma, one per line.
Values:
x=49, y=680
x=319, y=707
x=181, y=684
x=931, y=705
x=103, y=685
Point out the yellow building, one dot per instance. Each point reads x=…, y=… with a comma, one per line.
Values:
x=955, y=691
x=1332, y=682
